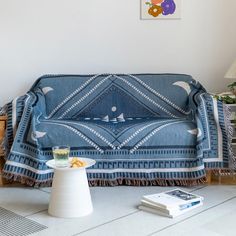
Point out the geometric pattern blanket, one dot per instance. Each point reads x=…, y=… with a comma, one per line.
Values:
x=143, y=129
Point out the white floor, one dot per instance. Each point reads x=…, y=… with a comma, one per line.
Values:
x=116, y=214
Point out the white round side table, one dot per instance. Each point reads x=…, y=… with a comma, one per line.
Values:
x=70, y=195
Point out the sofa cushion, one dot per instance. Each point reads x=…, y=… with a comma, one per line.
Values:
x=134, y=136
x=146, y=95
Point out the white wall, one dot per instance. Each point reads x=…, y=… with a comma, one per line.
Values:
x=78, y=36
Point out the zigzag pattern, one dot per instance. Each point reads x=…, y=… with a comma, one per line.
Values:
x=64, y=108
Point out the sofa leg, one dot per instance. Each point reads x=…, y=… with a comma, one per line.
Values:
x=3, y=120
x=209, y=176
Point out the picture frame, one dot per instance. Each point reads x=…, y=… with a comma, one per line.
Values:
x=160, y=9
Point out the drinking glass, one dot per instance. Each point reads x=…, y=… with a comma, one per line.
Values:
x=61, y=155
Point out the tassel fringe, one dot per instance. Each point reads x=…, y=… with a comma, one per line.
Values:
x=145, y=182
x=229, y=130
x=223, y=172
x=26, y=180
x=110, y=183
x=3, y=146
x=4, y=142
x=3, y=110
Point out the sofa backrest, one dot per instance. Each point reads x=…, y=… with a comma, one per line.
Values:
x=116, y=97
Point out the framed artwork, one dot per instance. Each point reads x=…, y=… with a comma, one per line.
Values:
x=160, y=9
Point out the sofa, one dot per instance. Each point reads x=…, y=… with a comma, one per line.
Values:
x=142, y=129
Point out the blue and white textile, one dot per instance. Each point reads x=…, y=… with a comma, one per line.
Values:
x=143, y=129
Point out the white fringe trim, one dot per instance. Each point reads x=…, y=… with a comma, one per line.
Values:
x=229, y=130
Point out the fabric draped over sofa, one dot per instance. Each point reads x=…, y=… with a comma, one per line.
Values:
x=143, y=129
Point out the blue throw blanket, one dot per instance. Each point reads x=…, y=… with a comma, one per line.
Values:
x=146, y=129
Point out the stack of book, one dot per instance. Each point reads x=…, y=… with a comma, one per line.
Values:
x=171, y=203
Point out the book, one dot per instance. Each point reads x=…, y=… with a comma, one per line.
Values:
x=171, y=203
x=170, y=215
x=170, y=211
x=176, y=198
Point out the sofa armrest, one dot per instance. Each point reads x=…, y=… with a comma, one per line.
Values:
x=214, y=132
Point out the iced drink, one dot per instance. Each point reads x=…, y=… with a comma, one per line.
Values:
x=61, y=156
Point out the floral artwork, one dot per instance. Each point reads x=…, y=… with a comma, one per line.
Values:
x=160, y=9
